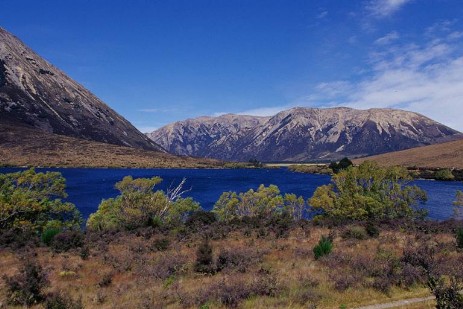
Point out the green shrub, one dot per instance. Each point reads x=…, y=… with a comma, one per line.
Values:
x=459, y=237
x=371, y=229
x=324, y=247
x=139, y=206
x=444, y=174
x=204, y=258
x=31, y=201
x=48, y=235
x=265, y=202
x=369, y=192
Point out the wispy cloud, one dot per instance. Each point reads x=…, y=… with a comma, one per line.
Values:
x=388, y=38
x=384, y=8
x=322, y=14
x=426, y=78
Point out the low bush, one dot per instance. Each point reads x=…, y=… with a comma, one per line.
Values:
x=67, y=240
x=48, y=235
x=62, y=300
x=161, y=244
x=459, y=238
x=26, y=288
x=444, y=174
x=371, y=229
x=200, y=219
x=324, y=247
x=204, y=258
x=237, y=259
x=355, y=232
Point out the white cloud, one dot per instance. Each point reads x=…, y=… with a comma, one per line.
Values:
x=388, y=38
x=384, y=8
x=426, y=78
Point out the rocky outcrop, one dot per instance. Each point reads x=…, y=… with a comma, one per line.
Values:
x=35, y=93
x=302, y=134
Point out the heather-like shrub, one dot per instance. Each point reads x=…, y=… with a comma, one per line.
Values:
x=161, y=244
x=62, y=300
x=459, y=238
x=448, y=295
x=26, y=287
x=67, y=240
x=324, y=247
x=204, y=258
x=355, y=232
x=237, y=259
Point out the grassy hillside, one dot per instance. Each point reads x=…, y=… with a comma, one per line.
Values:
x=25, y=146
x=445, y=155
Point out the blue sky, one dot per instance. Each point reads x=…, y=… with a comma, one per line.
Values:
x=156, y=62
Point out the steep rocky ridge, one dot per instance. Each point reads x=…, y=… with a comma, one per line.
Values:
x=302, y=134
x=34, y=92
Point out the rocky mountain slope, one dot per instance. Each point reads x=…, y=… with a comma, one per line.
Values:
x=302, y=134
x=34, y=92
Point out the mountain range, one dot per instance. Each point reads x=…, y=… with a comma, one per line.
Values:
x=302, y=134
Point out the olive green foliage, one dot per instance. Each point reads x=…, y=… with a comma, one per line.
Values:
x=31, y=201
x=458, y=205
x=444, y=174
x=324, y=247
x=341, y=165
x=265, y=202
x=138, y=205
x=369, y=192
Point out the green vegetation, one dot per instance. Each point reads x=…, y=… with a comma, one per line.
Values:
x=336, y=167
x=266, y=202
x=444, y=174
x=369, y=192
x=311, y=169
x=458, y=205
x=324, y=247
x=139, y=206
x=184, y=257
x=30, y=201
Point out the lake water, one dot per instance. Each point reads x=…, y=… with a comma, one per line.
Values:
x=87, y=187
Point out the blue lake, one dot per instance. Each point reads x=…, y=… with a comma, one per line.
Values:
x=87, y=187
